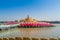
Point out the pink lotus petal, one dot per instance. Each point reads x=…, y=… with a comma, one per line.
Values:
x=35, y=24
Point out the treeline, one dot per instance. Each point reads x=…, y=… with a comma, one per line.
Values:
x=50, y=21
x=38, y=21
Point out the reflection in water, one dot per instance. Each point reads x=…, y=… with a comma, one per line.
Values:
x=33, y=32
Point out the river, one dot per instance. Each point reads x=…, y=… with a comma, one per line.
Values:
x=46, y=32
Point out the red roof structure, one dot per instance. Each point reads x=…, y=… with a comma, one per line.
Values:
x=10, y=23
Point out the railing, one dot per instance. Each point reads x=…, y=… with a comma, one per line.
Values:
x=27, y=38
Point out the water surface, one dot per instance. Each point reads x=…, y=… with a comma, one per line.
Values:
x=45, y=32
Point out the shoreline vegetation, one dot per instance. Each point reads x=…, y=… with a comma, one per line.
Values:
x=57, y=22
x=38, y=21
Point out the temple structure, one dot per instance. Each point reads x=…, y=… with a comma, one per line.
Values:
x=28, y=19
x=29, y=23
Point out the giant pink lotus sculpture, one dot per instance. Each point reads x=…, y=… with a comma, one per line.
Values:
x=35, y=24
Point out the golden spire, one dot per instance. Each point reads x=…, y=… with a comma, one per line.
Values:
x=27, y=16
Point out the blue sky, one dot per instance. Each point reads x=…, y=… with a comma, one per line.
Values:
x=37, y=9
